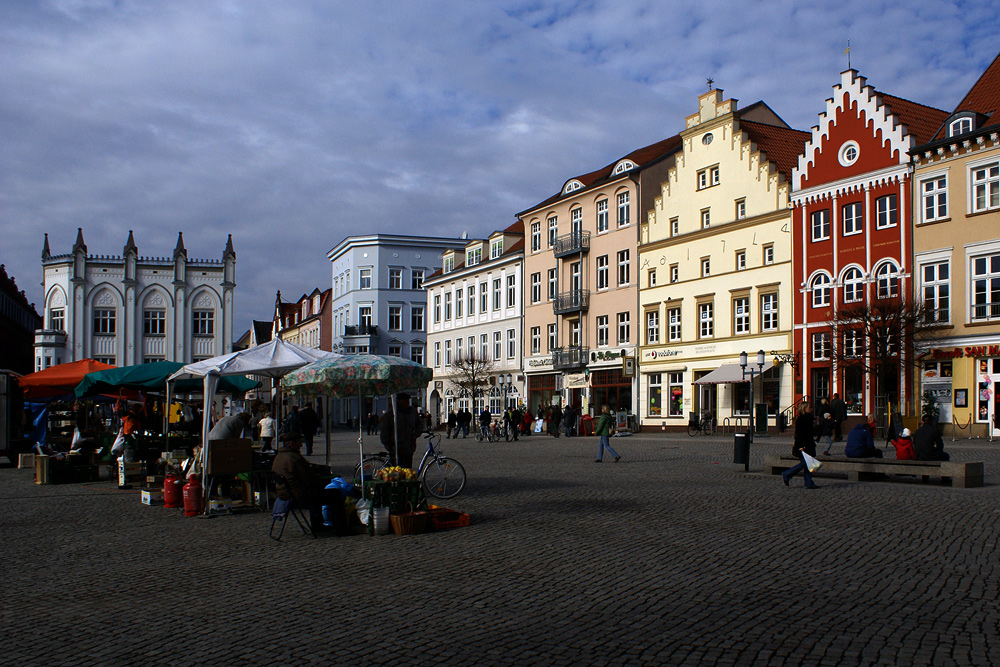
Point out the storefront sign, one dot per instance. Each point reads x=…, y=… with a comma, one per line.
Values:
x=540, y=362
x=660, y=354
x=577, y=381
x=971, y=351
x=606, y=355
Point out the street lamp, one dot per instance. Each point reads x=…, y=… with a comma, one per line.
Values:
x=752, y=373
x=504, y=382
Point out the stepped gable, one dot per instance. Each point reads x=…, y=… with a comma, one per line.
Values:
x=921, y=121
x=782, y=145
x=8, y=285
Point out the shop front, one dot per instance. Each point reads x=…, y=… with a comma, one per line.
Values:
x=964, y=382
x=544, y=389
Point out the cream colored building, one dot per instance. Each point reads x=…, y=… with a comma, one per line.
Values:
x=714, y=268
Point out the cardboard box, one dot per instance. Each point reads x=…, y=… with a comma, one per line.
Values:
x=220, y=506
x=228, y=457
x=152, y=497
x=130, y=473
x=25, y=461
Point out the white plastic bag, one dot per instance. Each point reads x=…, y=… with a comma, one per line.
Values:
x=813, y=464
x=364, y=508
x=119, y=445
x=77, y=439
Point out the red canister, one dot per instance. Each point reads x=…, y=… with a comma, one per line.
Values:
x=194, y=500
x=173, y=491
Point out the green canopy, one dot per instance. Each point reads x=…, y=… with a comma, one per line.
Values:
x=154, y=376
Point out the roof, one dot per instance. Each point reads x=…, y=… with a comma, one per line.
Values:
x=262, y=331
x=921, y=121
x=983, y=97
x=783, y=145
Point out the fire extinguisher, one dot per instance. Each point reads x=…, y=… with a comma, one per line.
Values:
x=194, y=501
x=173, y=491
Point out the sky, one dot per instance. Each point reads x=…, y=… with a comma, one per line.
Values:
x=292, y=125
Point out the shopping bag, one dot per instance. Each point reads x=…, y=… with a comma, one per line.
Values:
x=813, y=464
x=119, y=445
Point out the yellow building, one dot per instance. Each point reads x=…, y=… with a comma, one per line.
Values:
x=956, y=243
x=715, y=269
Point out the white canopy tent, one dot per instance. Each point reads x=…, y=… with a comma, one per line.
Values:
x=272, y=359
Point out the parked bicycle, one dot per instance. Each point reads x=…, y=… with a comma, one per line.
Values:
x=704, y=424
x=441, y=476
x=488, y=432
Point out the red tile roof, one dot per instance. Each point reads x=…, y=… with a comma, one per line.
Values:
x=782, y=145
x=983, y=97
x=921, y=121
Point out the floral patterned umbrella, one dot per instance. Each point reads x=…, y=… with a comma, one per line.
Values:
x=357, y=375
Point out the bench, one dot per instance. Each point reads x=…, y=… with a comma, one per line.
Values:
x=965, y=475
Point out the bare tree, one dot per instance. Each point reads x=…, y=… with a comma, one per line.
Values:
x=472, y=372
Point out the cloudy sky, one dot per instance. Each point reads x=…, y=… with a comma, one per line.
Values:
x=291, y=125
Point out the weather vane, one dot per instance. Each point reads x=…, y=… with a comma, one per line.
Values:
x=710, y=81
x=847, y=52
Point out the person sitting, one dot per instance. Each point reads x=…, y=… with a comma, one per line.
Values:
x=299, y=483
x=861, y=441
x=904, y=446
x=927, y=442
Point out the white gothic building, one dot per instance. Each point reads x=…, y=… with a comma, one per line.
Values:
x=127, y=309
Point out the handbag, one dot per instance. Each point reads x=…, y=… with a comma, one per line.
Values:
x=812, y=463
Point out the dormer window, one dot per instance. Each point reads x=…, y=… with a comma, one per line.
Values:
x=496, y=248
x=449, y=263
x=623, y=166
x=960, y=126
x=572, y=186
x=473, y=256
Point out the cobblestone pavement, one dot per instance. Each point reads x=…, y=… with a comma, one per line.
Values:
x=672, y=556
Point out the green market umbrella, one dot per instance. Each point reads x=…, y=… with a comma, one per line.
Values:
x=154, y=376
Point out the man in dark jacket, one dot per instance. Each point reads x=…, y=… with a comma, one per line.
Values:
x=838, y=409
x=927, y=442
x=861, y=441
x=310, y=424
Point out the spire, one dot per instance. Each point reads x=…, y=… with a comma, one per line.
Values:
x=229, y=252
x=45, y=249
x=79, y=245
x=179, y=249
x=130, y=245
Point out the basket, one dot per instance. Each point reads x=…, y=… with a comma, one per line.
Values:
x=408, y=523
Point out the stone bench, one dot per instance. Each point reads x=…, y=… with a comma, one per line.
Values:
x=964, y=474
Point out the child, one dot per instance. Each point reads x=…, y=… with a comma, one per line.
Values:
x=904, y=446
x=826, y=427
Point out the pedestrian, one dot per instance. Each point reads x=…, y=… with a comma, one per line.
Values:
x=861, y=441
x=267, y=425
x=569, y=418
x=466, y=422
x=803, y=443
x=927, y=442
x=826, y=432
x=839, y=411
x=603, y=430
x=452, y=424
x=555, y=418
x=291, y=428
x=400, y=432
x=485, y=419
x=310, y=424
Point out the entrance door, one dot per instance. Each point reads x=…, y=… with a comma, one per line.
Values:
x=820, y=384
x=707, y=400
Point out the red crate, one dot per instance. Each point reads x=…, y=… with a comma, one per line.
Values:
x=442, y=517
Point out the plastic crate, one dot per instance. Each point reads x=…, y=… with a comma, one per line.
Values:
x=442, y=518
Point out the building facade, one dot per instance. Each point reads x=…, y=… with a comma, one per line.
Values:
x=128, y=309
x=581, y=325
x=307, y=322
x=18, y=322
x=476, y=307
x=956, y=243
x=852, y=242
x=715, y=268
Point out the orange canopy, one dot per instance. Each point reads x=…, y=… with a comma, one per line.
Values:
x=60, y=379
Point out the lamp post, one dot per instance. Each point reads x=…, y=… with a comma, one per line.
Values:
x=753, y=373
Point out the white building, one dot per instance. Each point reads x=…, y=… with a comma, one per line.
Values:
x=476, y=304
x=127, y=309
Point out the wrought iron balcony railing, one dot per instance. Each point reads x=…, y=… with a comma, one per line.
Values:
x=569, y=357
x=572, y=243
x=571, y=301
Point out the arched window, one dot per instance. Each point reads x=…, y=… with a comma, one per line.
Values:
x=854, y=285
x=887, y=280
x=820, y=287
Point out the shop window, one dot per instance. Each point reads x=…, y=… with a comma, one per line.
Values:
x=675, y=393
x=655, y=393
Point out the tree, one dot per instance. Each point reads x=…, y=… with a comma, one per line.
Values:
x=472, y=372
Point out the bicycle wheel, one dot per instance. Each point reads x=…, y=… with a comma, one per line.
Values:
x=479, y=436
x=443, y=477
x=694, y=429
x=371, y=464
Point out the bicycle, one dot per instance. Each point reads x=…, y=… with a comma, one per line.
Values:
x=441, y=476
x=703, y=424
x=487, y=433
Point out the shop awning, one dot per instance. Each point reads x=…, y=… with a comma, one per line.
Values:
x=729, y=374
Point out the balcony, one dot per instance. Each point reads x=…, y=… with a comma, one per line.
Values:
x=360, y=330
x=569, y=244
x=573, y=301
x=54, y=338
x=569, y=357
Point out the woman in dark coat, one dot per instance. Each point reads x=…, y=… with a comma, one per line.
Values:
x=803, y=443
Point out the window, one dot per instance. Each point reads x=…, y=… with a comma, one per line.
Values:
x=820, y=287
x=395, y=278
x=853, y=346
x=652, y=327
x=458, y=303
x=675, y=394
x=484, y=346
x=674, y=273
x=623, y=215
x=511, y=291
x=437, y=355
x=848, y=153
x=396, y=318
x=395, y=350
x=708, y=177
x=473, y=256
x=675, y=226
x=154, y=323
x=651, y=277
x=986, y=287
x=553, y=284
x=602, y=331
x=934, y=196
x=886, y=212
x=365, y=277
x=887, y=280
x=706, y=326
x=536, y=340
x=741, y=260
x=417, y=318
x=553, y=230
x=483, y=299
x=496, y=248
x=854, y=285
x=602, y=272
x=536, y=236
x=57, y=319
x=449, y=264
x=417, y=279
x=576, y=221
x=511, y=344
x=536, y=287
x=706, y=218
x=959, y=126
x=417, y=354
x=447, y=306
x=447, y=353
x=497, y=346
x=437, y=308
x=820, y=224
x=741, y=315
x=203, y=322
x=623, y=272
x=471, y=297
x=741, y=209
x=553, y=337
x=365, y=316
x=935, y=286
x=655, y=395
x=574, y=333
x=623, y=327
x=673, y=324
x=768, y=254
x=769, y=312
x=986, y=187
x=496, y=294
x=602, y=216
x=821, y=346
x=706, y=267
x=853, y=218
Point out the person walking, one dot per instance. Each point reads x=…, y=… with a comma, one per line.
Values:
x=838, y=410
x=555, y=418
x=310, y=424
x=452, y=424
x=603, y=431
x=267, y=425
x=803, y=443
